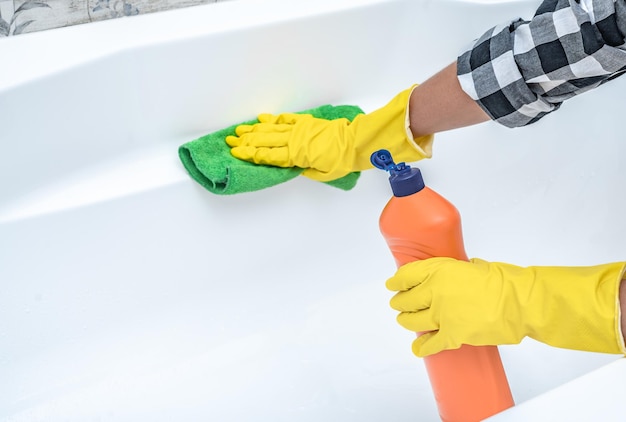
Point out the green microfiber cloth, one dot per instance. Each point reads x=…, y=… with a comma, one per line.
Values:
x=209, y=162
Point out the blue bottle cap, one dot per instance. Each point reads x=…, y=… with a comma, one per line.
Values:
x=404, y=179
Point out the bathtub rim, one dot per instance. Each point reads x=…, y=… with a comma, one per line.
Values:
x=34, y=55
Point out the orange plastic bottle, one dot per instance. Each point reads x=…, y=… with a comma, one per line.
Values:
x=469, y=384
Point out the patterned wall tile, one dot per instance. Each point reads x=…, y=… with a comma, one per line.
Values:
x=107, y=9
x=17, y=17
x=22, y=16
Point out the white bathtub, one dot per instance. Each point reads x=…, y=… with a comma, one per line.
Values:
x=129, y=293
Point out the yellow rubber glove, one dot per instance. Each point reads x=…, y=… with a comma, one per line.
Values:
x=330, y=149
x=482, y=303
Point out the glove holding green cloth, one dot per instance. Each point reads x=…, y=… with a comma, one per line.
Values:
x=209, y=162
x=330, y=149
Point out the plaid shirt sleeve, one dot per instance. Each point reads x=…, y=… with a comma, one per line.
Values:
x=522, y=70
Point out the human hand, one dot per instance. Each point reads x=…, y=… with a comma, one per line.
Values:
x=324, y=148
x=481, y=303
x=330, y=149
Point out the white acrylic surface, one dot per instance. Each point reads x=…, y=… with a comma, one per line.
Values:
x=127, y=292
x=596, y=396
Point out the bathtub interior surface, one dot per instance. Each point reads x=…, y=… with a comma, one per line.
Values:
x=595, y=396
x=130, y=293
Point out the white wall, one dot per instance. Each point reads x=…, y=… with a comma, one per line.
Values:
x=130, y=293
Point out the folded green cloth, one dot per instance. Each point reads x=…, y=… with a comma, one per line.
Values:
x=209, y=162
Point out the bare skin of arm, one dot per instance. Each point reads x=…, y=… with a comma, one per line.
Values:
x=440, y=104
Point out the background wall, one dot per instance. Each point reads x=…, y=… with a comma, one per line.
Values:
x=19, y=16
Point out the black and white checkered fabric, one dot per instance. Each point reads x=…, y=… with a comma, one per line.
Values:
x=522, y=70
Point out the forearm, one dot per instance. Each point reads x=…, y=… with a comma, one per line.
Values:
x=439, y=104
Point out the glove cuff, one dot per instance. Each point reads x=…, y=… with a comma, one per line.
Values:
x=423, y=144
x=619, y=334
x=578, y=307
